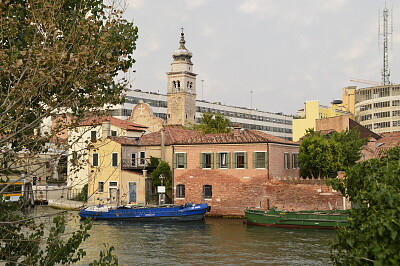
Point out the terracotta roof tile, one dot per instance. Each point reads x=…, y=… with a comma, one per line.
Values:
x=130, y=126
x=246, y=136
x=172, y=135
x=125, y=141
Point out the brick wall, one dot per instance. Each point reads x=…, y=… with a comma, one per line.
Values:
x=234, y=190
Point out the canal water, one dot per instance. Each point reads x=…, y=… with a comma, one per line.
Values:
x=212, y=241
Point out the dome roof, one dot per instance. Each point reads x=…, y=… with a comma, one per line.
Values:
x=182, y=53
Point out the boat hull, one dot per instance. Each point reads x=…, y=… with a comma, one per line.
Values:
x=303, y=219
x=161, y=213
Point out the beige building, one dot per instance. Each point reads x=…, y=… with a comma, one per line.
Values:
x=378, y=108
x=88, y=133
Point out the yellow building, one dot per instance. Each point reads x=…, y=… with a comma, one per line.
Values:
x=306, y=118
x=119, y=166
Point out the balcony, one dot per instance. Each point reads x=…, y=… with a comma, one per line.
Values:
x=136, y=164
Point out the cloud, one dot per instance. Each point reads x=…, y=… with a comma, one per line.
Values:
x=193, y=4
x=209, y=31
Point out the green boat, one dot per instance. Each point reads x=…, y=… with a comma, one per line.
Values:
x=303, y=219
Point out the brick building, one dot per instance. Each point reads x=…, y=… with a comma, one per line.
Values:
x=232, y=171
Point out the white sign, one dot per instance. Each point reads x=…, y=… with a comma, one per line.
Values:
x=161, y=189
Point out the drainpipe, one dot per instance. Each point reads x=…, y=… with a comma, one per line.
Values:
x=172, y=175
x=162, y=144
x=268, y=164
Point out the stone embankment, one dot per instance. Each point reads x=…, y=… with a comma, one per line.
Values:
x=56, y=197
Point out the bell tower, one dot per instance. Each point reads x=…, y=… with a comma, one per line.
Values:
x=181, y=87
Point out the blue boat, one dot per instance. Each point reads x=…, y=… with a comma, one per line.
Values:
x=186, y=212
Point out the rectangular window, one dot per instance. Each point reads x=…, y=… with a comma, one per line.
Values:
x=295, y=161
x=286, y=160
x=101, y=187
x=114, y=159
x=142, y=158
x=113, y=184
x=180, y=160
x=180, y=191
x=207, y=160
x=133, y=162
x=113, y=133
x=260, y=159
x=95, y=159
x=223, y=160
x=93, y=136
x=207, y=191
x=240, y=160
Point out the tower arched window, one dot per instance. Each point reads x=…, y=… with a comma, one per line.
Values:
x=173, y=82
x=179, y=84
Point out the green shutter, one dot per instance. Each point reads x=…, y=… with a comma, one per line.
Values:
x=212, y=160
x=245, y=159
x=228, y=159
x=184, y=160
x=175, y=160
x=266, y=160
x=234, y=163
x=201, y=160
x=254, y=159
x=218, y=161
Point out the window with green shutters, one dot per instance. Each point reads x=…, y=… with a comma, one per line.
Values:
x=260, y=159
x=286, y=160
x=206, y=160
x=95, y=159
x=180, y=160
x=114, y=159
x=295, y=161
x=240, y=160
x=223, y=160
x=180, y=191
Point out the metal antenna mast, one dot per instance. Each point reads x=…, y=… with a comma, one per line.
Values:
x=386, y=31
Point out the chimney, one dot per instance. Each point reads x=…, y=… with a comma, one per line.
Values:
x=105, y=129
x=236, y=130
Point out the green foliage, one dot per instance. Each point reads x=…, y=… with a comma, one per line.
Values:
x=106, y=257
x=25, y=240
x=57, y=58
x=373, y=235
x=213, y=123
x=83, y=195
x=163, y=168
x=154, y=162
x=323, y=156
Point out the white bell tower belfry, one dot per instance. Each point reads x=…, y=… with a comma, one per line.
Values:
x=181, y=87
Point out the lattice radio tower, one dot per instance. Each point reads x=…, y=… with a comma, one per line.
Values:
x=385, y=30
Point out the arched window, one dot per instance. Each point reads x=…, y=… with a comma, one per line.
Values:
x=174, y=84
x=179, y=84
x=180, y=191
x=207, y=191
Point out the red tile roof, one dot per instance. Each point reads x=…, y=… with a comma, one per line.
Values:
x=130, y=126
x=172, y=135
x=125, y=141
x=246, y=136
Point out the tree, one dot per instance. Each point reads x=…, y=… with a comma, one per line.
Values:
x=324, y=155
x=164, y=169
x=372, y=236
x=60, y=58
x=212, y=123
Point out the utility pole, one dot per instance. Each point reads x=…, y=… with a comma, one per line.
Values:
x=385, y=30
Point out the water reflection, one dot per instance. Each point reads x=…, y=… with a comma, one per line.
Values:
x=215, y=240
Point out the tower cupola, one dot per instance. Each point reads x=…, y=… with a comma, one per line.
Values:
x=182, y=54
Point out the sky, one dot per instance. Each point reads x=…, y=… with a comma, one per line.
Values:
x=272, y=55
